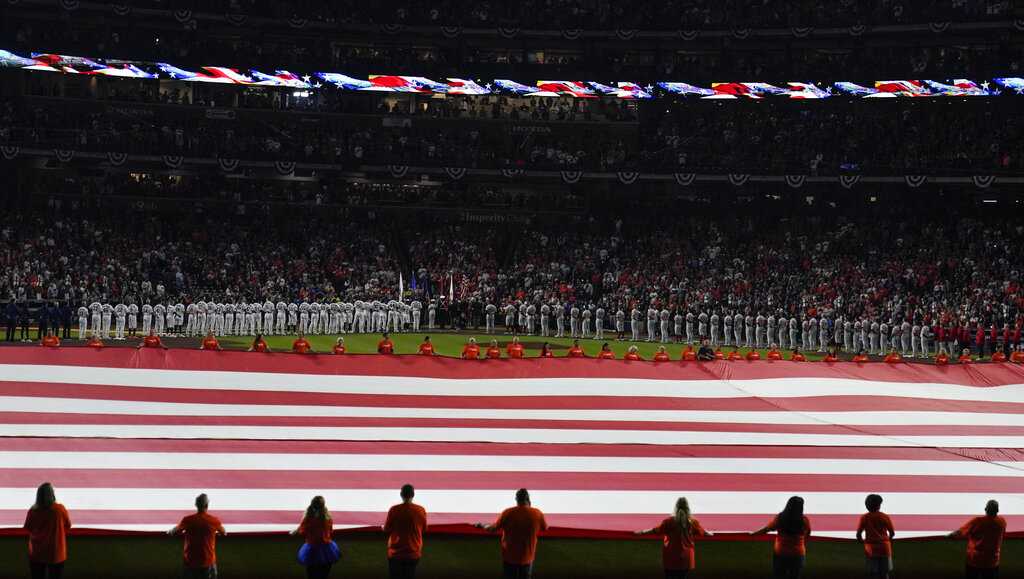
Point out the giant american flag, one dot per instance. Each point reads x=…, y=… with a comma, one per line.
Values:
x=130, y=437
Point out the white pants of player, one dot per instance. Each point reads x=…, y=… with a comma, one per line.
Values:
x=119, y=332
x=737, y=332
x=83, y=327
x=105, y=330
x=822, y=339
x=792, y=338
x=528, y=323
x=812, y=341
x=574, y=327
x=396, y=322
x=883, y=343
x=759, y=338
x=651, y=331
x=158, y=324
x=254, y=323
x=229, y=324
x=545, y=325
x=559, y=327
x=303, y=322
x=714, y=335
x=913, y=346
x=664, y=332
x=690, y=335
x=416, y=314
x=634, y=327
x=268, y=322
x=133, y=323
x=147, y=320
x=728, y=336
x=599, y=329
x=620, y=328
x=924, y=347
x=510, y=321
x=585, y=333
x=280, y=325
x=431, y=315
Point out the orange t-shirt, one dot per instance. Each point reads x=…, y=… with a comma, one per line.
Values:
x=774, y=355
x=493, y=353
x=547, y=354
x=315, y=530
x=405, y=525
x=426, y=349
x=753, y=355
x=515, y=350
x=798, y=357
x=830, y=358
x=606, y=355
x=632, y=356
x=259, y=346
x=51, y=341
x=719, y=355
x=860, y=358
x=519, y=526
x=942, y=359
x=735, y=356
x=47, y=534
x=877, y=528
x=1017, y=357
x=300, y=346
x=200, y=531
x=790, y=545
x=677, y=551
x=999, y=357
x=689, y=355
x=95, y=342
x=965, y=359
x=211, y=344
x=984, y=540
x=339, y=349
x=385, y=347
x=576, y=352
x=472, y=352
x=661, y=357
x=893, y=358
x=151, y=341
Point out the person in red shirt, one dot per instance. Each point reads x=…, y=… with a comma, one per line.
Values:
x=734, y=355
x=259, y=344
x=152, y=341
x=47, y=524
x=632, y=354
x=575, y=351
x=965, y=357
x=493, y=352
x=301, y=345
x=677, y=540
x=661, y=355
x=515, y=349
x=796, y=356
x=95, y=342
x=319, y=552
x=753, y=355
x=200, y=531
x=941, y=359
x=876, y=532
x=860, y=356
x=984, y=542
x=893, y=357
x=426, y=348
x=689, y=355
x=50, y=340
x=606, y=352
x=471, y=351
x=210, y=342
x=519, y=527
x=998, y=356
x=339, y=346
x=792, y=529
x=404, y=527
x=719, y=355
x=1017, y=356
x=385, y=345
x=545, y=351
x=832, y=356
x=774, y=353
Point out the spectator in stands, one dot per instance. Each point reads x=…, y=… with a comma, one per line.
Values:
x=259, y=344
x=677, y=540
x=519, y=527
x=404, y=526
x=47, y=524
x=200, y=531
x=984, y=542
x=791, y=529
x=319, y=552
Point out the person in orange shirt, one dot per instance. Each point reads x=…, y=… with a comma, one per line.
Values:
x=753, y=355
x=493, y=352
x=95, y=342
x=339, y=346
x=677, y=534
x=876, y=532
x=519, y=527
x=50, y=340
x=606, y=352
x=210, y=342
x=385, y=345
x=774, y=353
x=965, y=357
x=301, y=345
x=515, y=349
x=200, y=531
x=575, y=351
x=984, y=541
x=832, y=356
x=47, y=523
x=471, y=351
x=941, y=359
x=632, y=354
x=998, y=356
x=319, y=552
x=796, y=356
x=791, y=531
x=689, y=355
x=1017, y=356
x=545, y=351
x=661, y=355
x=152, y=341
x=893, y=357
x=259, y=344
x=734, y=355
x=426, y=348
x=719, y=355
x=860, y=356
x=404, y=527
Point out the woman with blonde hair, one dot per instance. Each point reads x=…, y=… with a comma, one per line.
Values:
x=319, y=553
x=677, y=534
x=47, y=524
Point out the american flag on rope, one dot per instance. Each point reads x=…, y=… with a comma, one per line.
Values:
x=129, y=437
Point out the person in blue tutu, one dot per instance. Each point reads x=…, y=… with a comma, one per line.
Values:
x=319, y=553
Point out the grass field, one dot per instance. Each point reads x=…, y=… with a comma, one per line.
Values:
x=452, y=557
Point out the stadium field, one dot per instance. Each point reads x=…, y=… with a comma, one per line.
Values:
x=454, y=557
